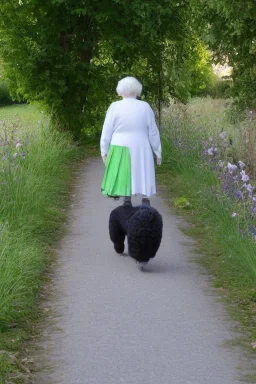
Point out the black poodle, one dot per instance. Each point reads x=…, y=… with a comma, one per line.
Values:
x=143, y=227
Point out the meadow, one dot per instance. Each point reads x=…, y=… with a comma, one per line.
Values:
x=35, y=176
x=209, y=170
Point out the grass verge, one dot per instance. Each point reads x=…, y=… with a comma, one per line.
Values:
x=229, y=256
x=35, y=165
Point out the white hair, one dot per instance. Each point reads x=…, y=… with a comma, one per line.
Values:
x=129, y=86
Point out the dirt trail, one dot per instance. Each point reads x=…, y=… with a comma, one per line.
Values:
x=116, y=325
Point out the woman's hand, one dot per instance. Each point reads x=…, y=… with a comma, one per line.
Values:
x=104, y=159
x=158, y=161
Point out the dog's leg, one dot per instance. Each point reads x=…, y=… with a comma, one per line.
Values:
x=127, y=200
x=119, y=248
x=117, y=237
x=141, y=265
x=145, y=201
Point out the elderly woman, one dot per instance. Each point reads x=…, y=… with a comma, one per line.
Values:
x=129, y=138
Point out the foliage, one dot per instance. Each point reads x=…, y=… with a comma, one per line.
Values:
x=182, y=202
x=222, y=150
x=193, y=173
x=193, y=75
x=25, y=156
x=230, y=29
x=5, y=97
x=57, y=62
x=33, y=184
x=222, y=89
x=73, y=66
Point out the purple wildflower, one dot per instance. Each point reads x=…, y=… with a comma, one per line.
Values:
x=248, y=187
x=253, y=208
x=252, y=230
x=239, y=195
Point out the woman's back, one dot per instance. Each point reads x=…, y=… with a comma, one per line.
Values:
x=130, y=116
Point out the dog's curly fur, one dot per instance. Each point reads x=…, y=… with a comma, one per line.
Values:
x=143, y=227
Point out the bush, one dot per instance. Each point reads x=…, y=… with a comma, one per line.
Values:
x=221, y=89
x=5, y=97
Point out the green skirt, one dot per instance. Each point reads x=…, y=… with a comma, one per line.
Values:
x=117, y=177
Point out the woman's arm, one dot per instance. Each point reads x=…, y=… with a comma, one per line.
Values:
x=107, y=132
x=154, y=136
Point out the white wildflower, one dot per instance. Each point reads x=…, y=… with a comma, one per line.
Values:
x=241, y=164
x=244, y=177
x=232, y=168
x=223, y=135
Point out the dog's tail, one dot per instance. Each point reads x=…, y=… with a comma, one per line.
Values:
x=145, y=215
x=145, y=233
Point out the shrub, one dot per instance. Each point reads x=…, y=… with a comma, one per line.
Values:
x=5, y=97
x=221, y=89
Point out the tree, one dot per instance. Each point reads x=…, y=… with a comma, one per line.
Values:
x=230, y=29
x=51, y=47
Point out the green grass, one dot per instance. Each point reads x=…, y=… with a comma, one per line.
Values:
x=25, y=113
x=191, y=186
x=34, y=190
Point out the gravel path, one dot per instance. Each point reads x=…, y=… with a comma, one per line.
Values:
x=116, y=325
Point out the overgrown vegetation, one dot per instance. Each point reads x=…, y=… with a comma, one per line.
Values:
x=34, y=177
x=204, y=172
x=230, y=30
x=73, y=66
x=5, y=97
